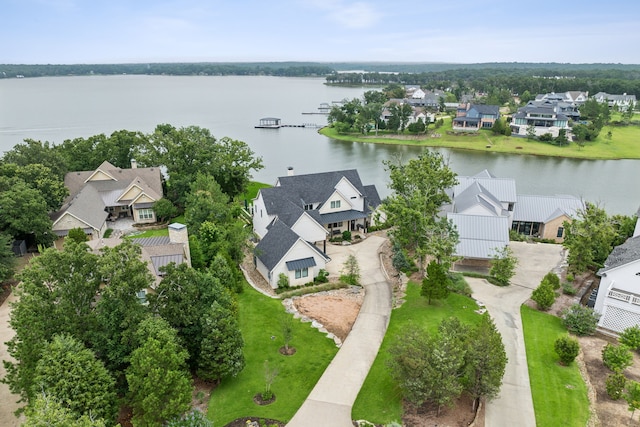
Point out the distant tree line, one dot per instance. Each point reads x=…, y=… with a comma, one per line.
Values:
x=284, y=69
x=625, y=79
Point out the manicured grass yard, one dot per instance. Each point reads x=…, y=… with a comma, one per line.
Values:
x=252, y=191
x=624, y=143
x=160, y=232
x=379, y=400
x=559, y=393
x=298, y=374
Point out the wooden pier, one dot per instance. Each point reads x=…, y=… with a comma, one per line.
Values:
x=276, y=123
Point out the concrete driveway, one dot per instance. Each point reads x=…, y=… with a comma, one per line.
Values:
x=329, y=403
x=9, y=400
x=514, y=405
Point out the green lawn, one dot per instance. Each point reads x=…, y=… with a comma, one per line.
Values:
x=624, y=143
x=252, y=191
x=298, y=374
x=160, y=232
x=379, y=400
x=559, y=393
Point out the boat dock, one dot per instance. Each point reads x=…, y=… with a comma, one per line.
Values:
x=276, y=123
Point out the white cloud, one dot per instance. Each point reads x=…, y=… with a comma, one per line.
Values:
x=350, y=15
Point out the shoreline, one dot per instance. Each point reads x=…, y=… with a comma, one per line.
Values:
x=524, y=147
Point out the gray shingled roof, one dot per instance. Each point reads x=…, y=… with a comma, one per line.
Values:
x=275, y=244
x=545, y=208
x=627, y=252
x=486, y=109
x=317, y=187
x=87, y=206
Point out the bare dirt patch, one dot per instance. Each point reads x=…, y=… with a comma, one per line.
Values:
x=336, y=310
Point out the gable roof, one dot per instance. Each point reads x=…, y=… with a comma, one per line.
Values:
x=621, y=255
x=545, y=208
x=275, y=244
x=493, y=110
x=86, y=206
x=503, y=189
x=317, y=187
x=476, y=194
x=480, y=235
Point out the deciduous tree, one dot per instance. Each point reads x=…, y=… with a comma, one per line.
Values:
x=159, y=382
x=71, y=374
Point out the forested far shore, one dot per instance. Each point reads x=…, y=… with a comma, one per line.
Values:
x=429, y=74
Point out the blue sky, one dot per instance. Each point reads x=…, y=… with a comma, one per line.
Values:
x=99, y=31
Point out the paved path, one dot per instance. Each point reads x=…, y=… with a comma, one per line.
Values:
x=514, y=405
x=329, y=403
x=9, y=401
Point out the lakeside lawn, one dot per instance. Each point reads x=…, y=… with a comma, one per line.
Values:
x=559, y=392
x=379, y=400
x=252, y=191
x=624, y=142
x=297, y=374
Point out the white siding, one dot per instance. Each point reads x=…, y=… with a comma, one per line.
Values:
x=623, y=305
x=307, y=228
x=335, y=197
x=299, y=250
x=260, y=217
x=355, y=199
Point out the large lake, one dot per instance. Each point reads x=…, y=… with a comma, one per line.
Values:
x=58, y=108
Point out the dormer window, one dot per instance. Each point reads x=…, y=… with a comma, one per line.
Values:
x=308, y=207
x=335, y=204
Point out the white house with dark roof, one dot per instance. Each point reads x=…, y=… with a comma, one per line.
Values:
x=623, y=102
x=313, y=207
x=283, y=251
x=108, y=193
x=618, y=300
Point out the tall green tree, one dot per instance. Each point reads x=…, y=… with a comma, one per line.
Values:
x=56, y=295
x=36, y=152
x=503, y=264
x=206, y=202
x=221, y=352
x=589, y=238
x=118, y=311
x=71, y=374
x=189, y=151
x=419, y=190
x=183, y=297
x=40, y=178
x=436, y=285
x=485, y=361
x=159, y=382
x=7, y=257
x=24, y=211
x=46, y=411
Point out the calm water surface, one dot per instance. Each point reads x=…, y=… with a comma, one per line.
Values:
x=58, y=108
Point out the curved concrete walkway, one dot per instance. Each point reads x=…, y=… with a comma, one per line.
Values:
x=514, y=405
x=331, y=400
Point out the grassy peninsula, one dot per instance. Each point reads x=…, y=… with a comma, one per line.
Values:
x=624, y=142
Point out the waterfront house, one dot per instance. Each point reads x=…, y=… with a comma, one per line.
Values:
x=544, y=216
x=618, y=299
x=106, y=194
x=314, y=208
x=472, y=117
x=541, y=119
x=623, y=102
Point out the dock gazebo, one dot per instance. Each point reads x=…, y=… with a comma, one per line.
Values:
x=269, y=123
